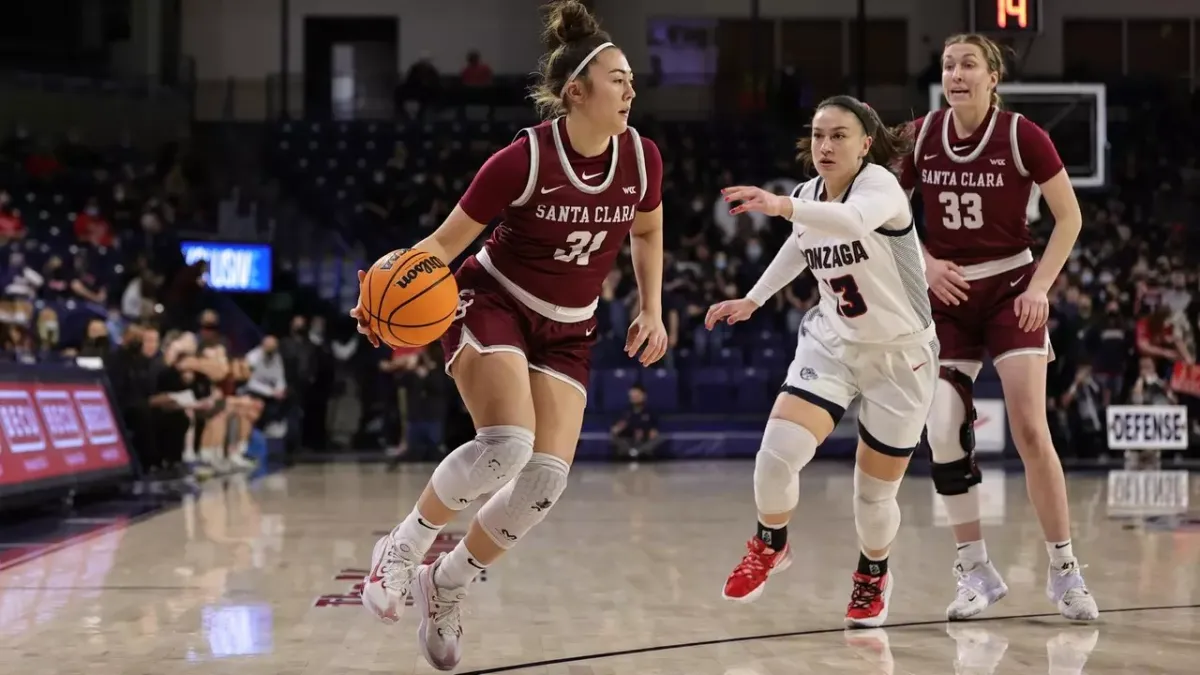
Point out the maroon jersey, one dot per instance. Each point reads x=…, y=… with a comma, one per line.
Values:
x=565, y=216
x=977, y=189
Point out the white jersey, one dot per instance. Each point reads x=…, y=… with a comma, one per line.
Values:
x=863, y=249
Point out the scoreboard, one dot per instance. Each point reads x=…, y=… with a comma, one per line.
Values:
x=1005, y=17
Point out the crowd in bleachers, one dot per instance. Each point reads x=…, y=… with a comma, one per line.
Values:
x=1130, y=290
x=92, y=276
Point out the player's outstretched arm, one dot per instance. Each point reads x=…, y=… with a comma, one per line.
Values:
x=874, y=200
x=646, y=250
x=788, y=264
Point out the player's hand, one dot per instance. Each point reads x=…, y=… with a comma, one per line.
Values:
x=360, y=316
x=730, y=311
x=946, y=280
x=647, y=329
x=1032, y=309
x=756, y=199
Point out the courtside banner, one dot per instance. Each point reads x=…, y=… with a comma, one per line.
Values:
x=1147, y=427
x=57, y=426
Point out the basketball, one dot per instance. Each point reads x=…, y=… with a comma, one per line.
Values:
x=410, y=298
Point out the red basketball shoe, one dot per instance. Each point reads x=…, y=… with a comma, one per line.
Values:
x=869, y=601
x=746, y=582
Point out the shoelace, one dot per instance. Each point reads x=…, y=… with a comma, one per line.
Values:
x=447, y=613
x=754, y=563
x=964, y=582
x=864, y=593
x=397, y=572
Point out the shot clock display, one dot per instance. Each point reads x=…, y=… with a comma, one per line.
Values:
x=1006, y=17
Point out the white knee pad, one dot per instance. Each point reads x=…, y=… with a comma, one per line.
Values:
x=876, y=513
x=482, y=465
x=944, y=424
x=525, y=501
x=786, y=448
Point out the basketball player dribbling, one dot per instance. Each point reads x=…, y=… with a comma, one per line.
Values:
x=870, y=336
x=570, y=190
x=976, y=166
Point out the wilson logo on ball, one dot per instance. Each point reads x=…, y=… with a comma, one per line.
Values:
x=426, y=266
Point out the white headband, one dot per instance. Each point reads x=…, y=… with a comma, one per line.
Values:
x=586, y=60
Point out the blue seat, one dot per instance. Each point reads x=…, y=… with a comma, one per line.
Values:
x=711, y=391
x=728, y=357
x=769, y=357
x=662, y=390
x=614, y=388
x=752, y=389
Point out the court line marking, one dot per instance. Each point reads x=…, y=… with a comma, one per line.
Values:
x=800, y=633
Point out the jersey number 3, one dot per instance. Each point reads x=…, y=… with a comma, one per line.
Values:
x=581, y=245
x=961, y=210
x=851, y=303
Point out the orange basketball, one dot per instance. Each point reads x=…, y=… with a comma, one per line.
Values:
x=410, y=297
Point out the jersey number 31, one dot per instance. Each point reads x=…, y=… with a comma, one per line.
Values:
x=581, y=245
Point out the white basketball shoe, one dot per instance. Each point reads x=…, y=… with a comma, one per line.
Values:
x=440, y=632
x=1065, y=587
x=386, y=587
x=979, y=587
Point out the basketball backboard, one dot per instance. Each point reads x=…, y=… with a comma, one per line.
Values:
x=1074, y=114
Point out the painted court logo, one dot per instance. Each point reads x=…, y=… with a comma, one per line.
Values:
x=444, y=543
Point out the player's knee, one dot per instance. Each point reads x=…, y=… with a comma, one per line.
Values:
x=786, y=448
x=524, y=502
x=951, y=434
x=876, y=512
x=485, y=464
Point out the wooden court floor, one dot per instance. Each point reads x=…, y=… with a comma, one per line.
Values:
x=623, y=578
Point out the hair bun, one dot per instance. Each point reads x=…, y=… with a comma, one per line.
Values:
x=568, y=22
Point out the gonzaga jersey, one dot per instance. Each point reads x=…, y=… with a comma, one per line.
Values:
x=873, y=288
x=561, y=237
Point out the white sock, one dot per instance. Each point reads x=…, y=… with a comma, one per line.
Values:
x=239, y=449
x=1059, y=551
x=211, y=454
x=414, y=536
x=458, y=569
x=973, y=552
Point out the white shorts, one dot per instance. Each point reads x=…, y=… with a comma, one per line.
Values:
x=896, y=384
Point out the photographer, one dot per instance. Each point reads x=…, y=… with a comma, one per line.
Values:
x=424, y=397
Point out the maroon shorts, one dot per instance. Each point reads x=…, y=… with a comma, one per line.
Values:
x=490, y=319
x=987, y=322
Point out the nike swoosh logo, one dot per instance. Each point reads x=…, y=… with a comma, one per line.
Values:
x=375, y=578
x=424, y=524
x=589, y=176
x=1061, y=545
x=915, y=370
x=1014, y=283
x=472, y=562
x=589, y=332
x=929, y=157
x=961, y=148
x=547, y=191
x=972, y=598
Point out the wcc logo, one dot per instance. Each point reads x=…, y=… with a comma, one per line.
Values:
x=62, y=421
x=444, y=543
x=19, y=422
x=97, y=417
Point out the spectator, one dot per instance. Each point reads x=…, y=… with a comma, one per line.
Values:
x=268, y=382
x=476, y=73
x=424, y=404
x=635, y=436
